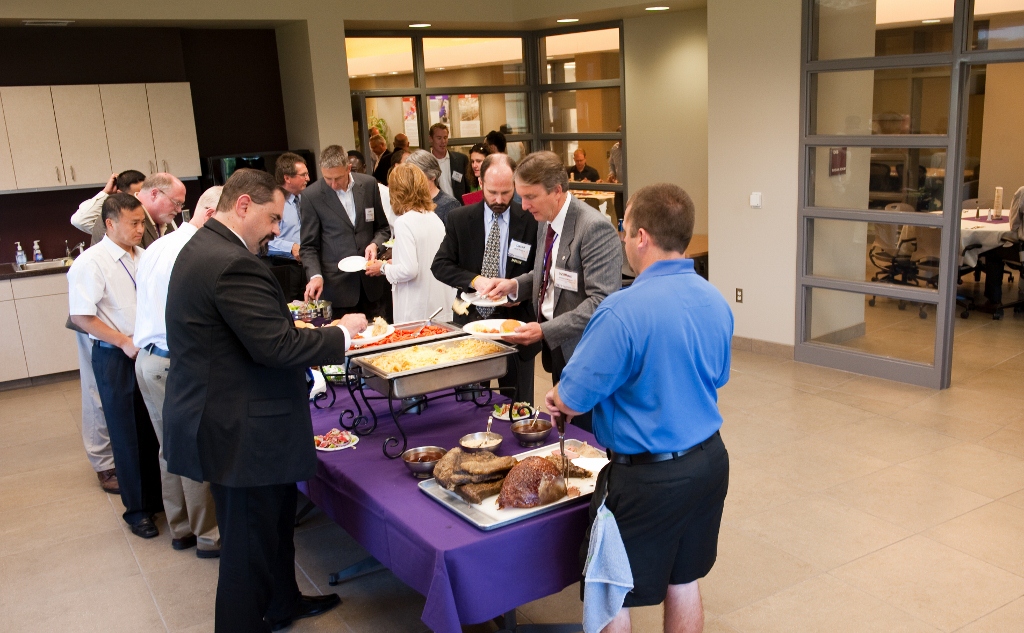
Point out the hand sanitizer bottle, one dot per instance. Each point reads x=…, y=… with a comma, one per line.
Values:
x=20, y=258
x=36, y=253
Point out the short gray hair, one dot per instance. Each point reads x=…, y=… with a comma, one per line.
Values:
x=542, y=168
x=333, y=156
x=209, y=199
x=160, y=180
x=427, y=164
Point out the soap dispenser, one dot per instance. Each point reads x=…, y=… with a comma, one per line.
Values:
x=20, y=258
x=36, y=253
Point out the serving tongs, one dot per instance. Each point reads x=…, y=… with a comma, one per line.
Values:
x=560, y=423
x=429, y=320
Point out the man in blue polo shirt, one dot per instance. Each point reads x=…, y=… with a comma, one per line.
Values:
x=650, y=364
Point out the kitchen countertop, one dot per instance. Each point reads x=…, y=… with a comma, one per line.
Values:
x=8, y=271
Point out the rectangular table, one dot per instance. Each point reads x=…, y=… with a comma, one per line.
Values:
x=467, y=575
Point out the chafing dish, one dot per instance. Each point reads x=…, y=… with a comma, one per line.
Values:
x=452, y=332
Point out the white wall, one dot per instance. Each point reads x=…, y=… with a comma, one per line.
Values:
x=1002, y=135
x=667, y=104
x=753, y=145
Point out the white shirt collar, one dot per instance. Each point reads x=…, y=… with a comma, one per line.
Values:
x=240, y=238
x=115, y=251
x=351, y=183
x=559, y=220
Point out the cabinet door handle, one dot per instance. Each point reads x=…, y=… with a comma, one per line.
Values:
x=57, y=169
x=73, y=177
x=165, y=167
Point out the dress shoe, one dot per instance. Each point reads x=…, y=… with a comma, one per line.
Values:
x=108, y=481
x=186, y=542
x=145, y=529
x=307, y=607
x=208, y=553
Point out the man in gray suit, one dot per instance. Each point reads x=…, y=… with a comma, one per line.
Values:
x=579, y=265
x=341, y=216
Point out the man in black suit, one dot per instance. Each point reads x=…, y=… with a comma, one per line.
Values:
x=379, y=147
x=454, y=165
x=493, y=238
x=342, y=215
x=236, y=413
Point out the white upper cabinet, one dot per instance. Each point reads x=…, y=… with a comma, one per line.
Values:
x=174, y=128
x=32, y=132
x=7, y=181
x=83, y=139
x=129, y=133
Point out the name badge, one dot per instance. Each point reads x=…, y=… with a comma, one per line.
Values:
x=567, y=280
x=456, y=176
x=519, y=251
x=368, y=214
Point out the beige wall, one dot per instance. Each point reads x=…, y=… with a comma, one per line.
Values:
x=753, y=124
x=667, y=104
x=1002, y=135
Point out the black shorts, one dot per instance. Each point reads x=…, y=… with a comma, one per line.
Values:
x=669, y=515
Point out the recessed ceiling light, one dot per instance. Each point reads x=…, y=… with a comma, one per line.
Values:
x=932, y=21
x=421, y=25
x=394, y=72
x=567, y=20
x=657, y=9
x=440, y=68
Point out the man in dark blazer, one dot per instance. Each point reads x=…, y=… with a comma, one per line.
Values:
x=460, y=258
x=454, y=165
x=578, y=264
x=342, y=215
x=236, y=412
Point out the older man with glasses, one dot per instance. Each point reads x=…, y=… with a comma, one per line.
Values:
x=162, y=196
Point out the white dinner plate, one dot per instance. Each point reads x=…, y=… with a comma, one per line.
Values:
x=366, y=340
x=480, y=302
x=504, y=416
x=351, y=443
x=352, y=264
x=476, y=328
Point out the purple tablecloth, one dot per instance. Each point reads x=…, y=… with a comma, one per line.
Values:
x=467, y=575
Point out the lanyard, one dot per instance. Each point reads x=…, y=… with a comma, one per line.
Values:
x=121, y=261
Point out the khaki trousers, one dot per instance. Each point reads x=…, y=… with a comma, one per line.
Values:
x=188, y=504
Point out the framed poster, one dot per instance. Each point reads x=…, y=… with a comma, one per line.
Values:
x=469, y=115
x=440, y=109
x=411, y=121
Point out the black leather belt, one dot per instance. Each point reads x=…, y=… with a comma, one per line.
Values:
x=153, y=348
x=654, y=458
x=105, y=344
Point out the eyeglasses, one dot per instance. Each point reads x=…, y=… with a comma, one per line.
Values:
x=177, y=205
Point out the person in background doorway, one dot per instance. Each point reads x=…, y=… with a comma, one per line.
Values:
x=495, y=141
x=191, y=515
x=443, y=203
x=615, y=160
x=477, y=154
x=381, y=158
x=102, y=301
x=356, y=160
x=581, y=171
x=454, y=165
x=283, y=256
x=418, y=233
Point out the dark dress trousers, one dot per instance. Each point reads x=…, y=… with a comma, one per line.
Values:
x=236, y=415
x=328, y=236
x=459, y=260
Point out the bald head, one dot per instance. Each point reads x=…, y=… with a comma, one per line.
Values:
x=206, y=206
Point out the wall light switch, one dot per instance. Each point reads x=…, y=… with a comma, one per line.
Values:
x=755, y=200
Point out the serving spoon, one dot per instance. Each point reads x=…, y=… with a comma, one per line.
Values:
x=429, y=319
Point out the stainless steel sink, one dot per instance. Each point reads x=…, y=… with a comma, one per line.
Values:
x=43, y=265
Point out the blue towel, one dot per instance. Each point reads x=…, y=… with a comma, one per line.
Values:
x=607, y=574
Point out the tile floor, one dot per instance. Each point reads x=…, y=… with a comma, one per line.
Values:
x=855, y=504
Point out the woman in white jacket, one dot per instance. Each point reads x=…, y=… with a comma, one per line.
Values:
x=418, y=233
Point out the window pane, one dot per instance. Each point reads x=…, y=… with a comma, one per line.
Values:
x=876, y=178
x=890, y=101
x=572, y=111
x=599, y=155
x=394, y=115
x=379, y=62
x=517, y=150
x=875, y=325
x=470, y=115
x=995, y=134
x=586, y=56
x=998, y=24
x=881, y=27
x=473, y=61
x=869, y=251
